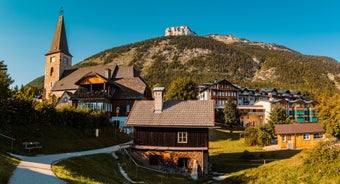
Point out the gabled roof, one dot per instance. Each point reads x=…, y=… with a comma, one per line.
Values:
x=59, y=42
x=191, y=114
x=131, y=88
x=298, y=128
x=69, y=81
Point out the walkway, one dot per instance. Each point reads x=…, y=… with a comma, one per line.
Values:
x=38, y=169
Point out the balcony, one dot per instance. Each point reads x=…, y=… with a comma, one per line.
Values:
x=255, y=113
x=94, y=94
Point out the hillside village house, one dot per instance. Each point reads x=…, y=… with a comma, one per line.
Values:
x=104, y=87
x=172, y=135
x=219, y=92
x=255, y=105
x=299, y=135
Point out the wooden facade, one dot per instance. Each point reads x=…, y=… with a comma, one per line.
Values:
x=299, y=141
x=172, y=135
x=168, y=137
x=299, y=135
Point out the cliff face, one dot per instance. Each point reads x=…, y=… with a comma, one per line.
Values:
x=179, y=31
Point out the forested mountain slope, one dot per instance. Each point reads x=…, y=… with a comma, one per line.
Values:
x=204, y=59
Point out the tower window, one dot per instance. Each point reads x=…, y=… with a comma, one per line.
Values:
x=52, y=71
x=52, y=59
x=65, y=60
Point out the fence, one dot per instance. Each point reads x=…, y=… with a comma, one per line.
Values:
x=10, y=138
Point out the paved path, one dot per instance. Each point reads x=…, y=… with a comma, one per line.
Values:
x=38, y=169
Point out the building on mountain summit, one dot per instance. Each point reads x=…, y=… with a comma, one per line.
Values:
x=103, y=87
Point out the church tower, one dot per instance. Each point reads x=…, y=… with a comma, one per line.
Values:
x=58, y=59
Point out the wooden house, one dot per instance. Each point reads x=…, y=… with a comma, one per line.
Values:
x=299, y=135
x=219, y=92
x=172, y=135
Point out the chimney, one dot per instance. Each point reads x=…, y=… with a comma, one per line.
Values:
x=158, y=93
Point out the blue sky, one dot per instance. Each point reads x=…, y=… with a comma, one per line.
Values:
x=308, y=26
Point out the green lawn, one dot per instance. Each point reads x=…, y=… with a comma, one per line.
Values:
x=228, y=154
x=103, y=168
x=54, y=139
x=59, y=139
x=7, y=165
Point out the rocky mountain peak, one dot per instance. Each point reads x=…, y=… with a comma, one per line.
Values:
x=179, y=31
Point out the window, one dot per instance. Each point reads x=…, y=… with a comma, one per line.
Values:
x=52, y=59
x=52, y=71
x=283, y=138
x=182, y=137
x=306, y=137
x=65, y=60
x=318, y=136
x=65, y=99
x=128, y=108
x=289, y=137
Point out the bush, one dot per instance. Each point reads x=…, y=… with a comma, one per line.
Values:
x=260, y=135
x=324, y=159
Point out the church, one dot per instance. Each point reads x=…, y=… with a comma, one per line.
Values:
x=110, y=87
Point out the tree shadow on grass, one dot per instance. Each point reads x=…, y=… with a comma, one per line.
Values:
x=221, y=134
x=233, y=162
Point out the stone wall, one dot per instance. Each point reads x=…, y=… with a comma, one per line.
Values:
x=168, y=160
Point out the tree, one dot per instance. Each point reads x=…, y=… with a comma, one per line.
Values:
x=231, y=114
x=5, y=93
x=328, y=114
x=5, y=81
x=182, y=89
x=260, y=135
x=278, y=116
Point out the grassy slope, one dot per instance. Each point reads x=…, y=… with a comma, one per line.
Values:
x=54, y=139
x=7, y=165
x=103, y=168
x=227, y=154
x=59, y=139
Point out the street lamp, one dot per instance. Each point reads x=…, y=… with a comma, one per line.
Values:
x=116, y=122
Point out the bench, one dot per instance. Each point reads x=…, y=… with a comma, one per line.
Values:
x=28, y=146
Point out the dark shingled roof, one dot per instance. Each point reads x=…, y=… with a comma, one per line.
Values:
x=59, y=42
x=130, y=88
x=298, y=128
x=69, y=81
x=191, y=113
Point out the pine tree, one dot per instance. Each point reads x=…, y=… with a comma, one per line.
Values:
x=278, y=116
x=231, y=114
x=5, y=81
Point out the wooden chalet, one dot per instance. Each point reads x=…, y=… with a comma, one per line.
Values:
x=172, y=135
x=299, y=135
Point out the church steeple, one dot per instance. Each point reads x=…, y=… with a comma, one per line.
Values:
x=59, y=42
x=58, y=59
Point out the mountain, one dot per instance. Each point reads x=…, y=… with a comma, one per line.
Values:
x=215, y=57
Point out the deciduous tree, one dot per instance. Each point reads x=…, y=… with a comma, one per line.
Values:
x=328, y=114
x=182, y=89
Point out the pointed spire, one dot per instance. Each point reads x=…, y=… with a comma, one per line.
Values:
x=59, y=42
